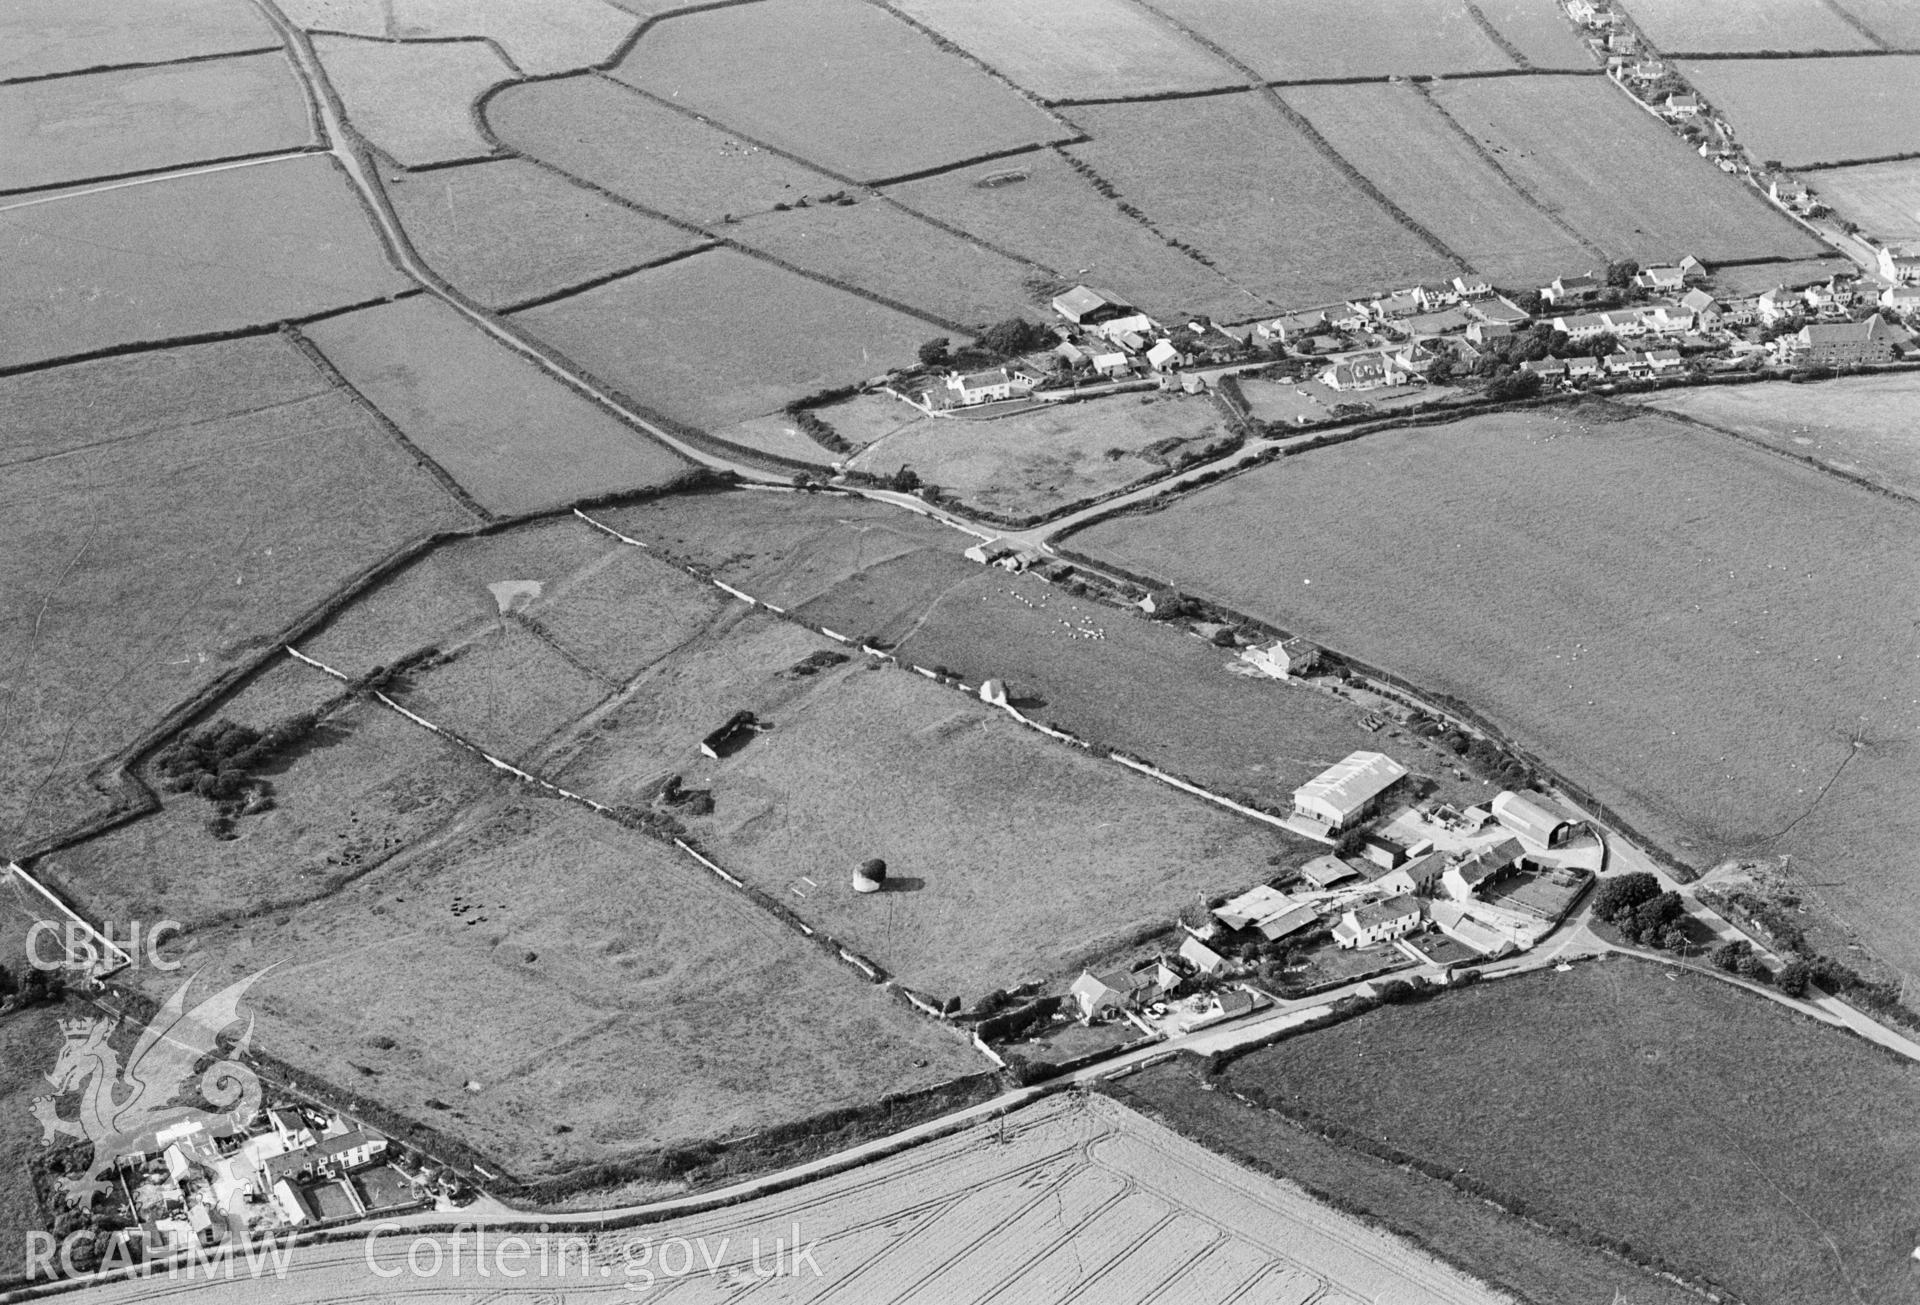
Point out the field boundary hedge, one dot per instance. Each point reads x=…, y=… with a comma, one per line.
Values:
x=185, y=172
x=138, y=64
x=605, y=278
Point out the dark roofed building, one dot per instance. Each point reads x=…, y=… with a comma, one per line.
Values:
x=1083, y=306
x=1840, y=343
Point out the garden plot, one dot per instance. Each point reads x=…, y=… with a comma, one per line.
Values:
x=1882, y=198
x=878, y=248
x=675, y=336
x=39, y=38
x=1010, y=856
x=511, y=435
x=1038, y=207
x=1812, y=113
x=414, y=101
x=1311, y=40
x=266, y=242
x=670, y=162
x=548, y=37
x=1733, y=26
x=1293, y=228
x=168, y=513
x=625, y=993
x=147, y=119
x=1076, y=49
x=476, y=227
x=842, y=84
x=1695, y=637
x=1421, y=161
x=1632, y=188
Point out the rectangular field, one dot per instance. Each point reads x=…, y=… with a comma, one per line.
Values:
x=43, y=37
x=1075, y=49
x=1862, y=426
x=146, y=119
x=1894, y=21
x=1038, y=207
x=168, y=513
x=1883, y=198
x=1743, y=26
x=1315, y=40
x=1812, y=113
x=511, y=435
x=551, y=37
x=668, y=162
x=1293, y=227
x=1632, y=187
x=1689, y=635
x=842, y=84
x=414, y=101
x=475, y=226
x=1436, y=172
x=1541, y=31
x=623, y=994
x=265, y=242
x=720, y=337
x=1671, y=1115
x=1040, y=462
x=884, y=251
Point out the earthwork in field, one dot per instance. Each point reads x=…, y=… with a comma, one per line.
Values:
x=169, y=513
x=1656, y=1096
x=1811, y=113
x=1681, y=624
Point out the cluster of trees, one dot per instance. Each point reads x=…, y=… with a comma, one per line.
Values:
x=1737, y=956
x=35, y=987
x=1005, y=339
x=1634, y=904
x=221, y=763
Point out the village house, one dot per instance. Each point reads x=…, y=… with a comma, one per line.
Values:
x=1084, y=306
x=1098, y=996
x=1419, y=877
x=1404, y=303
x=1660, y=280
x=1785, y=190
x=1778, y=304
x=1583, y=369
x=1112, y=365
x=1482, y=332
x=1346, y=793
x=1164, y=357
x=1377, y=922
x=1284, y=657
x=1838, y=344
x=1581, y=326
x=1901, y=299
x=1472, y=287
x=1547, y=369
x=1692, y=269
x=1294, y=326
x=1571, y=290
x=1899, y=265
x=1681, y=107
x=1369, y=373
x=1703, y=307
x=1469, y=876
x=1668, y=319
x=986, y=387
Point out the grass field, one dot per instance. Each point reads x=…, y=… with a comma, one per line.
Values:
x=367, y=786
x=1861, y=426
x=1894, y=21
x=1309, y=39
x=1393, y=134
x=41, y=37
x=1039, y=207
x=1540, y=32
x=1687, y=635
x=776, y=433
x=1079, y=49
x=475, y=225
x=605, y=134
x=1786, y=108
x=1292, y=228
x=887, y=252
x=167, y=512
x=1042, y=461
x=1632, y=188
x=677, y=339
x=840, y=83
x=266, y=243
x=1677, y=1115
x=143, y=119
x=508, y=691
x=413, y=101
x=625, y=994
x=1758, y=278
x=1735, y=26
x=1492, y=1246
x=1884, y=198
x=1010, y=857
x=551, y=37
x=512, y=436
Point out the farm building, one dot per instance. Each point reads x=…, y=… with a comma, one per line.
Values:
x=1201, y=957
x=1343, y=795
x=1571, y=290
x=1072, y=354
x=989, y=551
x=1463, y=928
x=1084, y=306
x=985, y=387
x=1136, y=325
x=1419, y=877
x=1383, y=852
x=1465, y=878
x=1284, y=657
x=1163, y=356
x=1841, y=343
x=1326, y=871
x=1377, y=922
x=1256, y=903
x=1288, y=922
x=1111, y=364
x=1900, y=265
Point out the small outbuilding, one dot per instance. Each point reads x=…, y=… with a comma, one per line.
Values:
x=1326, y=871
x=870, y=876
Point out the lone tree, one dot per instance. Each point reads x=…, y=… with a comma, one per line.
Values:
x=905, y=480
x=1620, y=275
x=1795, y=977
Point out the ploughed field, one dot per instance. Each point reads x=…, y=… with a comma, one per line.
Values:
x=1712, y=1133
x=1713, y=640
